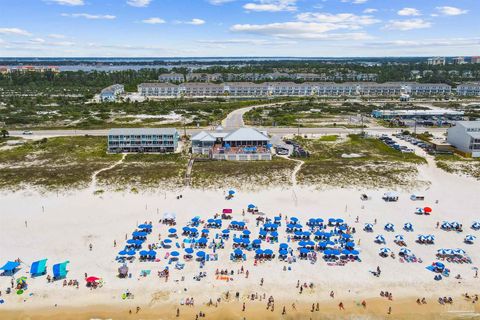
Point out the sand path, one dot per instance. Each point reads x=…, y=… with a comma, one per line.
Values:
x=93, y=184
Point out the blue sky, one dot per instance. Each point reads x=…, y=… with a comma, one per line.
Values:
x=165, y=28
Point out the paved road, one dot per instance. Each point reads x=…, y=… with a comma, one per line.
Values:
x=276, y=130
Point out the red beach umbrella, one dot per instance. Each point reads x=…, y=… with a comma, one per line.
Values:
x=427, y=209
x=92, y=279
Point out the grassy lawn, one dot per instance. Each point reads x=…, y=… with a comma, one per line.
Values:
x=142, y=171
x=330, y=138
x=55, y=163
x=242, y=174
x=377, y=165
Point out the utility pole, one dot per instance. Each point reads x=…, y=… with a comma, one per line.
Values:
x=415, y=128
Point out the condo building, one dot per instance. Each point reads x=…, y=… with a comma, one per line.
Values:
x=143, y=140
x=469, y=89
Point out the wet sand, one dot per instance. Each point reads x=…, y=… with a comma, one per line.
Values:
x=376, y=309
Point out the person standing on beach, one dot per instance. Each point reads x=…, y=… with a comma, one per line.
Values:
x=340, y=306
x=26, y=224
x=243, y=307
x=389, y=310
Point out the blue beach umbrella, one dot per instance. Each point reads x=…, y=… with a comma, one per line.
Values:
x=174, y=253
x=188, y=250
x=231, y=192
x=172, y=230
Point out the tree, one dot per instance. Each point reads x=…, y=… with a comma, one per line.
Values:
x=4, y=133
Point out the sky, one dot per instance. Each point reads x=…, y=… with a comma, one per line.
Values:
x=239, y=28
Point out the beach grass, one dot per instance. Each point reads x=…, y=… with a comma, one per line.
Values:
x=54, y=163
x=242, y=174
x=456, y=164
x=143, y=171
x=356, y=161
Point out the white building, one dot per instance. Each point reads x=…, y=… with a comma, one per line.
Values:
x=171, y=77
x=250, y=89
x=244, y=144
x=204, y=77
x=437, y=61
x=469, y=89
x=112, y=92
x=465, y=137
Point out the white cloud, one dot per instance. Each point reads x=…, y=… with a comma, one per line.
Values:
x=441, y=42
x=57, y=36
x=451, y=11
x=194, y=21
x=410, y=24
x=14, y=31
x=139, y=3
x=252, y=42
x=343, y=19
x=409, y=12
x=89, y=16
x=154, y=20
x=271, y=5
x=300, y=30
x=219, y=2
x=68, y=2
x=355, y=1
x=370, y=10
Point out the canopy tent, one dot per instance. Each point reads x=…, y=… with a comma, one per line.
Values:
x=10, y=266
x=227, y=211
x=92, y=279
x=60, y=270
x=38, y=268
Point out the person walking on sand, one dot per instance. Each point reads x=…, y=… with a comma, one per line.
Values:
x=318, y=307
x=332, y=294
x=243, y=307
x=91, y=247
x=340, y=306
x=261, y=282
x=138, y=309
x=364, y=304
x=26, y=224
x=389, y=310
x=114, y=243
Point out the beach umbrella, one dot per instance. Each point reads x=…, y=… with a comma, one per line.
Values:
x=302, y=243
x=201, y=254
x=405, y=251
x=430, y=237
x=476, y=225
x=283, y=246
x=304, y=250
x=442, y=252
x=455, y=224
x=202, y=240
x=188, y=250
x=237, y=240
x=259, y=252
x=172, y=230
x=385, y=250
x=251, y=206
x=240, y=223
x=427, y=210
x=130, y=253
x=283, y=252
x=262, y=232
x=389, y=226
x=345, y=251
x=145, y=226
x=312, y=221
x=274, y=234
x=335, y=252
x=470, y=238
x=319, y=220
x=186, y=229
x=459, y=252
x=174, y=253
x=226, y=231
x=238, y=252
x=332, y=220
x=346, y=235
x=380, y=239
x=399, y=237
x=343, y=228
x=122, y=253
x=257, y=241
x=446, y=225
x=213, y=221
x=350, y=244
x=167, y=241
x=205, y=231
x=144, y=253
x=294, y=220
x=368, y=226
x=354, y=252
x=231, y=192
x=267, y=252
x=152, y=253
x=408, y=226
x=339, y=221
x=246, y=232
x=92, y=279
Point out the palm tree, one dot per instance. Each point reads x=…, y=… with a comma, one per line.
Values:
x=4, y=133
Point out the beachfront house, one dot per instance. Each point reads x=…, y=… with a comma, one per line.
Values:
x=112, y=92
x=465, y=137
x=239, y=145
x=143, y=140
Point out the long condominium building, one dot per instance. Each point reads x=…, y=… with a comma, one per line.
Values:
x=469, y=89
x=143, y=140
x=249, y=89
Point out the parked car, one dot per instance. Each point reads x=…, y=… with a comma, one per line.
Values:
x=27, y=133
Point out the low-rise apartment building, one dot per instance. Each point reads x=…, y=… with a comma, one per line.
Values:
x=250, y=89
x=143, y=140
x=465, y=137
x=469, y=89
x=112, y=92
x=171, y=77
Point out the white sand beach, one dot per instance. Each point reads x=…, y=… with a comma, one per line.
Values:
x=60, y=227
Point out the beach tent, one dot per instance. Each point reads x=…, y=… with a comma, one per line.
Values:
x=60, y=270
x=10, y=267
x=123, y=271
x=38, y=268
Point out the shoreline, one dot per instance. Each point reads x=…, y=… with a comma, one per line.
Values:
x=377, y=308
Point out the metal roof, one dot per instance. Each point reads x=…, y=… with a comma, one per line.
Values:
x=468, y=124
x=143, y=131
x=246, y=134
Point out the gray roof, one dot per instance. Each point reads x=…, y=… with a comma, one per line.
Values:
x=469, y=124
x=203, y=136
x=143, y=131
x=246, y=134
